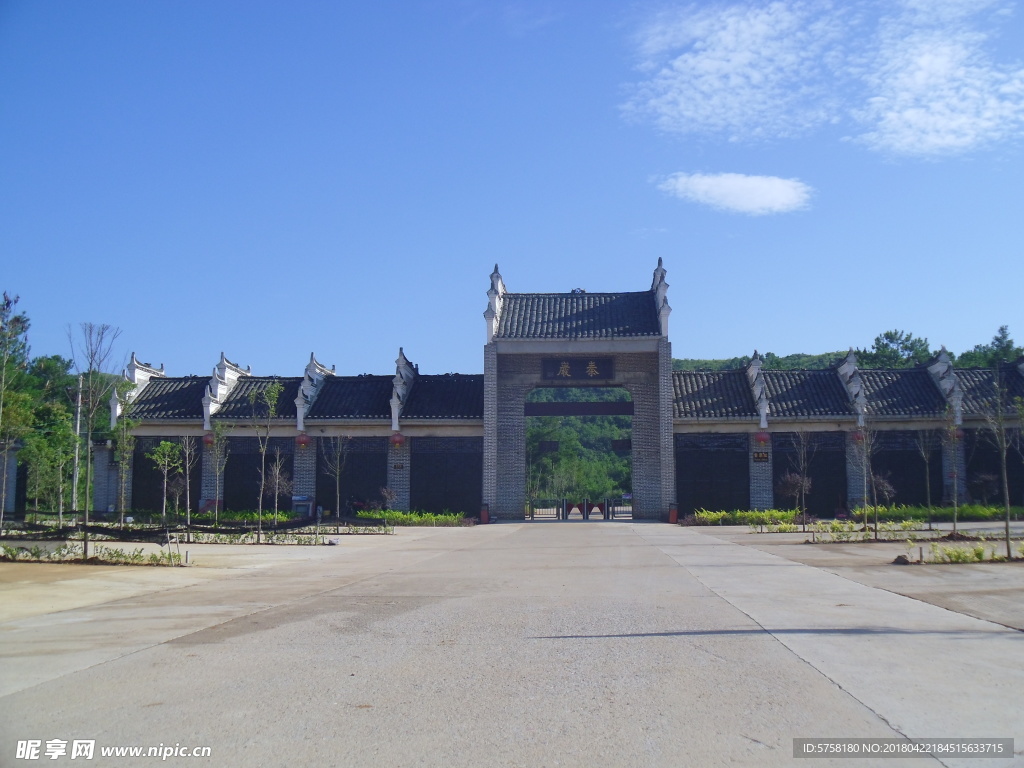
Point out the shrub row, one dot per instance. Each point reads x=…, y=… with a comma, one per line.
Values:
x=893, y=514
x=392, y=517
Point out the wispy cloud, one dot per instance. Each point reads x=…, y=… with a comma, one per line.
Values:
x=918, y=77
x=754, y=195
x=935, y=90
x=743, y=70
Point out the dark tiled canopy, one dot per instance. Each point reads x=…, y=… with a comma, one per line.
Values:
x=979, y=387
x=353, y=397
x=806, y=394
x=171, y=398
x=712, y=395
x=910, y=392
x=238, y=406
x=577, y=315
x=447, y=396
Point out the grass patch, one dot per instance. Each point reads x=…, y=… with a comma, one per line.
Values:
x=71, y=553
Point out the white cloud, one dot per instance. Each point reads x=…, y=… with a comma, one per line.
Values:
x=933, y=90
x=916, y=77
x=747, y=71
x=754, y=195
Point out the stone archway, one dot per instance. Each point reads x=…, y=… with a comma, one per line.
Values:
x=576, y=339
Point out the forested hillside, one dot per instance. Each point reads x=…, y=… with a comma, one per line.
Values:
x=891, y=349
x=573, y=456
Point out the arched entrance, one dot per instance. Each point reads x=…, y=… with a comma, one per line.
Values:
x=579, y=453
x=577, y=339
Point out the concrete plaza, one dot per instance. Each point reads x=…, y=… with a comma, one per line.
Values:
x=516, y=644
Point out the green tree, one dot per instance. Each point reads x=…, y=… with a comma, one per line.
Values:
x=895, y=349
x=125, y=441
x=334, y=456
x=92, y=352
x=47, y=453
x=263, y=404
x=13, y=354
x=1000, y=349
x=167, y=458
x=189, y=458
x=220, y=449
x=999, y=427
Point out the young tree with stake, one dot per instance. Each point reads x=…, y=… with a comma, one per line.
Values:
x=263, y=404
x=167, y=458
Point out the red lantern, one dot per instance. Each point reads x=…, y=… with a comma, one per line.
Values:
x=959, y=434
x=763, y=438
x=397, y=439
x=302, y=440
x=858, y=436
x=208, y=438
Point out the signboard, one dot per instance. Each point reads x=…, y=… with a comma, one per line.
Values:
x=577, y=368
x=760, y=456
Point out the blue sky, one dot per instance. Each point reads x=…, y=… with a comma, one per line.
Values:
x=272, y=179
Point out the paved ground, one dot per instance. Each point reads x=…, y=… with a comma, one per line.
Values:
x=579, y=644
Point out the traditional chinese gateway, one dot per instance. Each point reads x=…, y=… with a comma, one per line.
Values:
x=714, y=440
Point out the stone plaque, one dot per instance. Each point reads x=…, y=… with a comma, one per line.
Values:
x=577, y=368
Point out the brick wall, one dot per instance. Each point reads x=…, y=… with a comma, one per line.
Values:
x=104, y=483
x=208, y=487
x=855, y=471
x=954, y=456
x=490, y=479
x=399, y=467
x=762, y=494
x=304, y=471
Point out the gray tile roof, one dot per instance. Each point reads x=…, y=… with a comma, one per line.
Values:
x=171, y=398
x=447, y=396
x=979, y=387
x=237, y=405
x=806, y=394
x=712, y=395
x=907, y=392
x=353, y=397
x=577, y=315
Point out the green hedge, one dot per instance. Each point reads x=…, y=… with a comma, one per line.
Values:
x=428, y=519
x=893, y=514
x=965, y=513
x=745, y=517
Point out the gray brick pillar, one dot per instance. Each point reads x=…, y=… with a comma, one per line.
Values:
x=666, y=438
x=761, y=462
x=128, y=470
x=10, y=470
x=510, y=464
x=104, y=480
x=399, y=468
x=208, y=485
x=490, y=479
x=304, y=471
x=855, y=471
x=954, y=470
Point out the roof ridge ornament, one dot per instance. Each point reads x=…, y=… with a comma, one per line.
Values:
x=495, y=299
x=848, y=366
x=138, y=374
x=755, y=378
x=849, y=375
x=405, y=374
x=944, y=376
x=225, y=376
x=660, y=289
x=312, y=379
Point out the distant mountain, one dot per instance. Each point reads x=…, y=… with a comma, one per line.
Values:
x=797, y=361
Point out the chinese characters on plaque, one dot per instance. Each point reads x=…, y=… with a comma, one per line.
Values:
x=577, y=368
